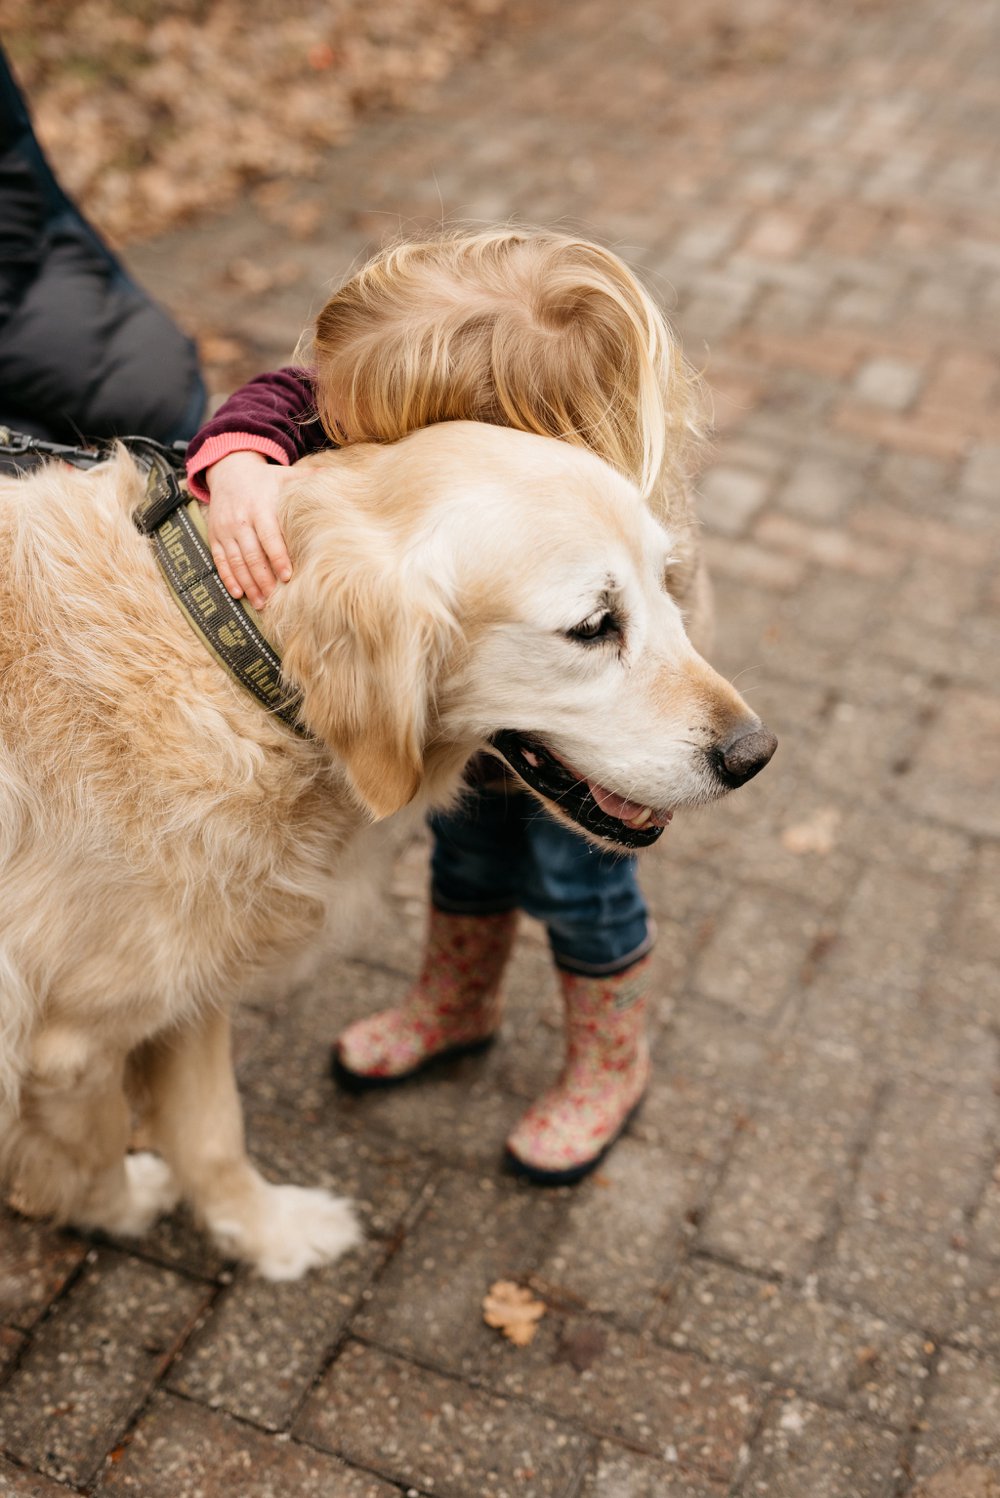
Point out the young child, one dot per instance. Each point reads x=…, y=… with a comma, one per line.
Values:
x=553, y=335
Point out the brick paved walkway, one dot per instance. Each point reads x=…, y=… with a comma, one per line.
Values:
x=786, y=1282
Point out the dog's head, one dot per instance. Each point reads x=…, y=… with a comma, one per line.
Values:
x=474, y=587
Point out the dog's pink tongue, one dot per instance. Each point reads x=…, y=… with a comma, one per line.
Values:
x=626, y=811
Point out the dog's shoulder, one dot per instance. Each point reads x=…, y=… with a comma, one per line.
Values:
x=96, y=650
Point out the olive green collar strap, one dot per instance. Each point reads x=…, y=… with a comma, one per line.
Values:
x=228, y=626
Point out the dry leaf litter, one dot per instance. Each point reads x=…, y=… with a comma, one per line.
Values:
x=153, y=113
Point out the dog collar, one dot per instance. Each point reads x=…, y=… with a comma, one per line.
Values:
x=230, y=627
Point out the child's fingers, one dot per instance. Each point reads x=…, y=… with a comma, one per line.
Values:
x=224, y=570
x=251, y=567
x=273, y=542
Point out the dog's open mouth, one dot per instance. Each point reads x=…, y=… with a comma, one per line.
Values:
x=597, y=810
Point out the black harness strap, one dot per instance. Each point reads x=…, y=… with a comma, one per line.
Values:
x=165, y=515
x=24, y=445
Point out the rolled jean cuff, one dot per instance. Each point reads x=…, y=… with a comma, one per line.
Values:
x=497, y=906
x=568, y=964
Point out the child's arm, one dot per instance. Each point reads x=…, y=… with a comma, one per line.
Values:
x=270, y=421
x=273, y=414
x=243, y=531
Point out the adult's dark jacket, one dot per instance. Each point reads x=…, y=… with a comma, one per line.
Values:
x=84, y=352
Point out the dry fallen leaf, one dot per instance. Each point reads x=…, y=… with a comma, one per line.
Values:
x=513, y=1310
x=817, y=834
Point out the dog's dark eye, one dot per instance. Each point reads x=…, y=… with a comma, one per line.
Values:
x=602, y=624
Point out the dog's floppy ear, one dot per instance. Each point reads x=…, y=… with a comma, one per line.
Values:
x=366, y=649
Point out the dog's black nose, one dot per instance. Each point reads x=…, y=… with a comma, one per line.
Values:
x=743, y=754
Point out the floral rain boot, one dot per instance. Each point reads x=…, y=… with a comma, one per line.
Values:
x=568, y=1131
x=452, y=1009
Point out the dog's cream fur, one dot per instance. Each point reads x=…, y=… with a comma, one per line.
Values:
x=164, y=842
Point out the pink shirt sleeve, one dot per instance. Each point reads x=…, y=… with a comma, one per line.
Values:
x=273, y=414
x=221, y=446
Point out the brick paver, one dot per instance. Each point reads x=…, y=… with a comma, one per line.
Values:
x=786, y=1281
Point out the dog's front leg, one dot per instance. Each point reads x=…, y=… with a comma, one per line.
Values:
x=196, y=1122
x=65, y=1149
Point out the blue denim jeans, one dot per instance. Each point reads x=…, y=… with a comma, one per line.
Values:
x=499, y=851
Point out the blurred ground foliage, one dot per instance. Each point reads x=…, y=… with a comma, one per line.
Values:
x=152, y=112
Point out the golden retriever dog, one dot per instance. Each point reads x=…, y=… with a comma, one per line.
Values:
x=165, y=841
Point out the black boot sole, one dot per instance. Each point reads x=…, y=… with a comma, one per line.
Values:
x=353, y=1081
x=574, y=1173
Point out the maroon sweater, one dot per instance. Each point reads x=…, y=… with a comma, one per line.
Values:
x=274, y=414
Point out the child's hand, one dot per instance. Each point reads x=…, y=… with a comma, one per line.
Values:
x=247, y=545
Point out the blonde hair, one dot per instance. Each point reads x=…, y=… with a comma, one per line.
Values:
x=522, y=328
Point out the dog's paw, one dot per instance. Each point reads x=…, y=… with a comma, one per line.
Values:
x=151, y=1191
x=295, y=1228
